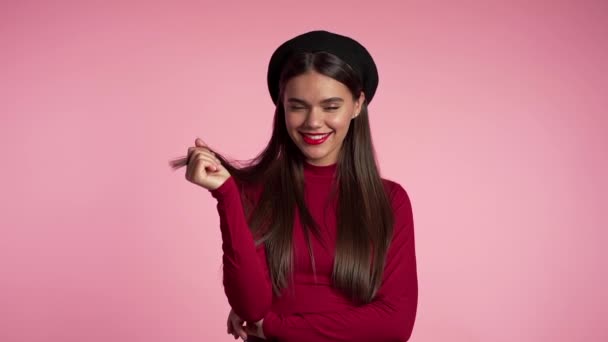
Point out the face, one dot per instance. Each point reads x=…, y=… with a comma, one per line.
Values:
x=318, y=112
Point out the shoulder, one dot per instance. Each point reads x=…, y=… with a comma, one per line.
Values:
x=394, y=190
x=397, y=195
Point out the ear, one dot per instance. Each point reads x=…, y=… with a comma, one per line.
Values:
x=358, y=105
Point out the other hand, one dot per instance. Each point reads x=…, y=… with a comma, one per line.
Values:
x=236, y=326
x=204, y=168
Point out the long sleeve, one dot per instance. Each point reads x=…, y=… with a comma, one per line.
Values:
x=389, y=317
x=246, y=279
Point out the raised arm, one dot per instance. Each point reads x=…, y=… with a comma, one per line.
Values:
x=246, y=279
x=390, y=317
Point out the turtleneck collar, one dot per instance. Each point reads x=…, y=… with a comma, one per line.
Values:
x=326, y=171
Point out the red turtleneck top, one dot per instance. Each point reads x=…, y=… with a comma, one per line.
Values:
x=313, y=310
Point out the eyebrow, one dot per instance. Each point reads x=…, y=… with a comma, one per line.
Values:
x=331, y=99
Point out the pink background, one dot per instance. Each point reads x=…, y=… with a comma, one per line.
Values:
x=491, y=114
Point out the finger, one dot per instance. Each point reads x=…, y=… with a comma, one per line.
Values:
x=189, y=168
x=209, y=155
x=198, y=153
x=234, y=334
x=196, y=150
x=199, y=142
x=192, y=162
x=191, y=149
x=231, y=328
x=200, y=165
x=204, y=148
x=239, y=330
x=208, y=162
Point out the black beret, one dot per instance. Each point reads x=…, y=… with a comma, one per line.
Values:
x=345, y=48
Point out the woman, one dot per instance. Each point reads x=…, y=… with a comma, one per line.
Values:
x=316, y=245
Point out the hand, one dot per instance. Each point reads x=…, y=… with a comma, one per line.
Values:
x=256, y=329
x=235, y=326
x=204, y=168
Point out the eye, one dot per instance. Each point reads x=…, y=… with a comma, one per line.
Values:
x=332, y=108
x=295, y=108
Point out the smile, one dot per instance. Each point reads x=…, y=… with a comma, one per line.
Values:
x=315, y=139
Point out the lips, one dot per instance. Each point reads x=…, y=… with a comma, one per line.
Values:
x=315, y=139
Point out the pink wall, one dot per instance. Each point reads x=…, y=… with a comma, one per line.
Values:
x=492, y=115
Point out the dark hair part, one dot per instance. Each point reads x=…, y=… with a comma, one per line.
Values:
x=364, y=215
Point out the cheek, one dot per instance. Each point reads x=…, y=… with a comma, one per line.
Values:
x=290, y=122
x=341, y=124
x=293, y=121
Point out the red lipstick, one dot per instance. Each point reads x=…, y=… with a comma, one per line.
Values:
x=315, y=139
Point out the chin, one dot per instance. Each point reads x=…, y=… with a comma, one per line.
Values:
x=316, y=156
x=309, y=155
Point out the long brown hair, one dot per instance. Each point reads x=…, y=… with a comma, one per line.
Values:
x=364, y=215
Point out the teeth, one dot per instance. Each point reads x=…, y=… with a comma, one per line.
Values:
x=318, y=136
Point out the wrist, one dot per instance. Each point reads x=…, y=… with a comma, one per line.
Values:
x=227, y=187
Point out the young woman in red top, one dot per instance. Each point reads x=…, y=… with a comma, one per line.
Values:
x=317, y=246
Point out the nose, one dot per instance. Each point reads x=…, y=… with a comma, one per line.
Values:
x=314, y=119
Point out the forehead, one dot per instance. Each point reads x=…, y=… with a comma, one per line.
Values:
x=313, y=86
